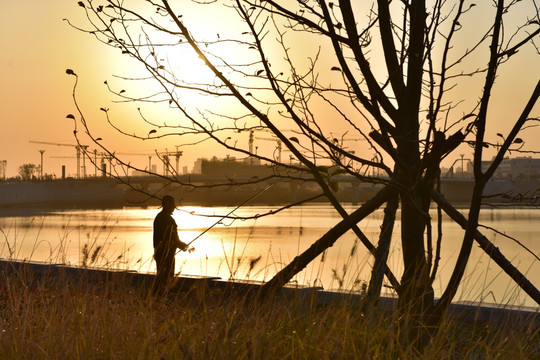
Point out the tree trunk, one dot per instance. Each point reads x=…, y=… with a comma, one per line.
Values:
x=490, y=249
x=415, y=303
x=381, y=255
x=326, y=241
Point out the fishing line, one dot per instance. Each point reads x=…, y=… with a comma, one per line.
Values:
x=227, y=215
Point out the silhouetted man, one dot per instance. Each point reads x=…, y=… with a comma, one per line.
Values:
x=166, y=242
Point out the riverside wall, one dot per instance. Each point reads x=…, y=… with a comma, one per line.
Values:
x=34, y=273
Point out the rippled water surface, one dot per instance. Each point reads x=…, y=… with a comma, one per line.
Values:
x=257, y=249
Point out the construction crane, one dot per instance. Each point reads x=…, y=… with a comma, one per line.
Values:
x=80, y=150
x=464, y=162
x=278, y=147
x=163, y=155
x=339, y=141
x=102, y=155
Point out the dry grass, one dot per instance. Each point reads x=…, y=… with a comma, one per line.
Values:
x=65, y=318
x=62, y=318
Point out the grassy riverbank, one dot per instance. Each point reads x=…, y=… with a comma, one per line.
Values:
x=59, y=317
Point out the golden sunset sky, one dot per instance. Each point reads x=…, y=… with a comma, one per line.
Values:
x=38, y=47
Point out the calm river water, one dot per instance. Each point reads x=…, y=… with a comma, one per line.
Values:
x=257, y=249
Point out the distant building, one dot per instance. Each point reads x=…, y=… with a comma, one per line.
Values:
x=140, y=173
x=231, y=167
x=514, y=168
x=136, y=173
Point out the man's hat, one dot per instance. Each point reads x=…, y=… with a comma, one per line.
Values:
x=167, y=200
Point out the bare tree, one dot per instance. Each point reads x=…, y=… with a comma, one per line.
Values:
x=397, y=75
x=28, y=171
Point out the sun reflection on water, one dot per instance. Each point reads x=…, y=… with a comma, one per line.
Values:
x=257, y=249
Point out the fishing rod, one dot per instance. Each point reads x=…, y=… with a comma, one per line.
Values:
x=227, y=215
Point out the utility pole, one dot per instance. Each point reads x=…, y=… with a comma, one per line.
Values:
x=41, y=153
x=95, y=163
x=462, y=155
